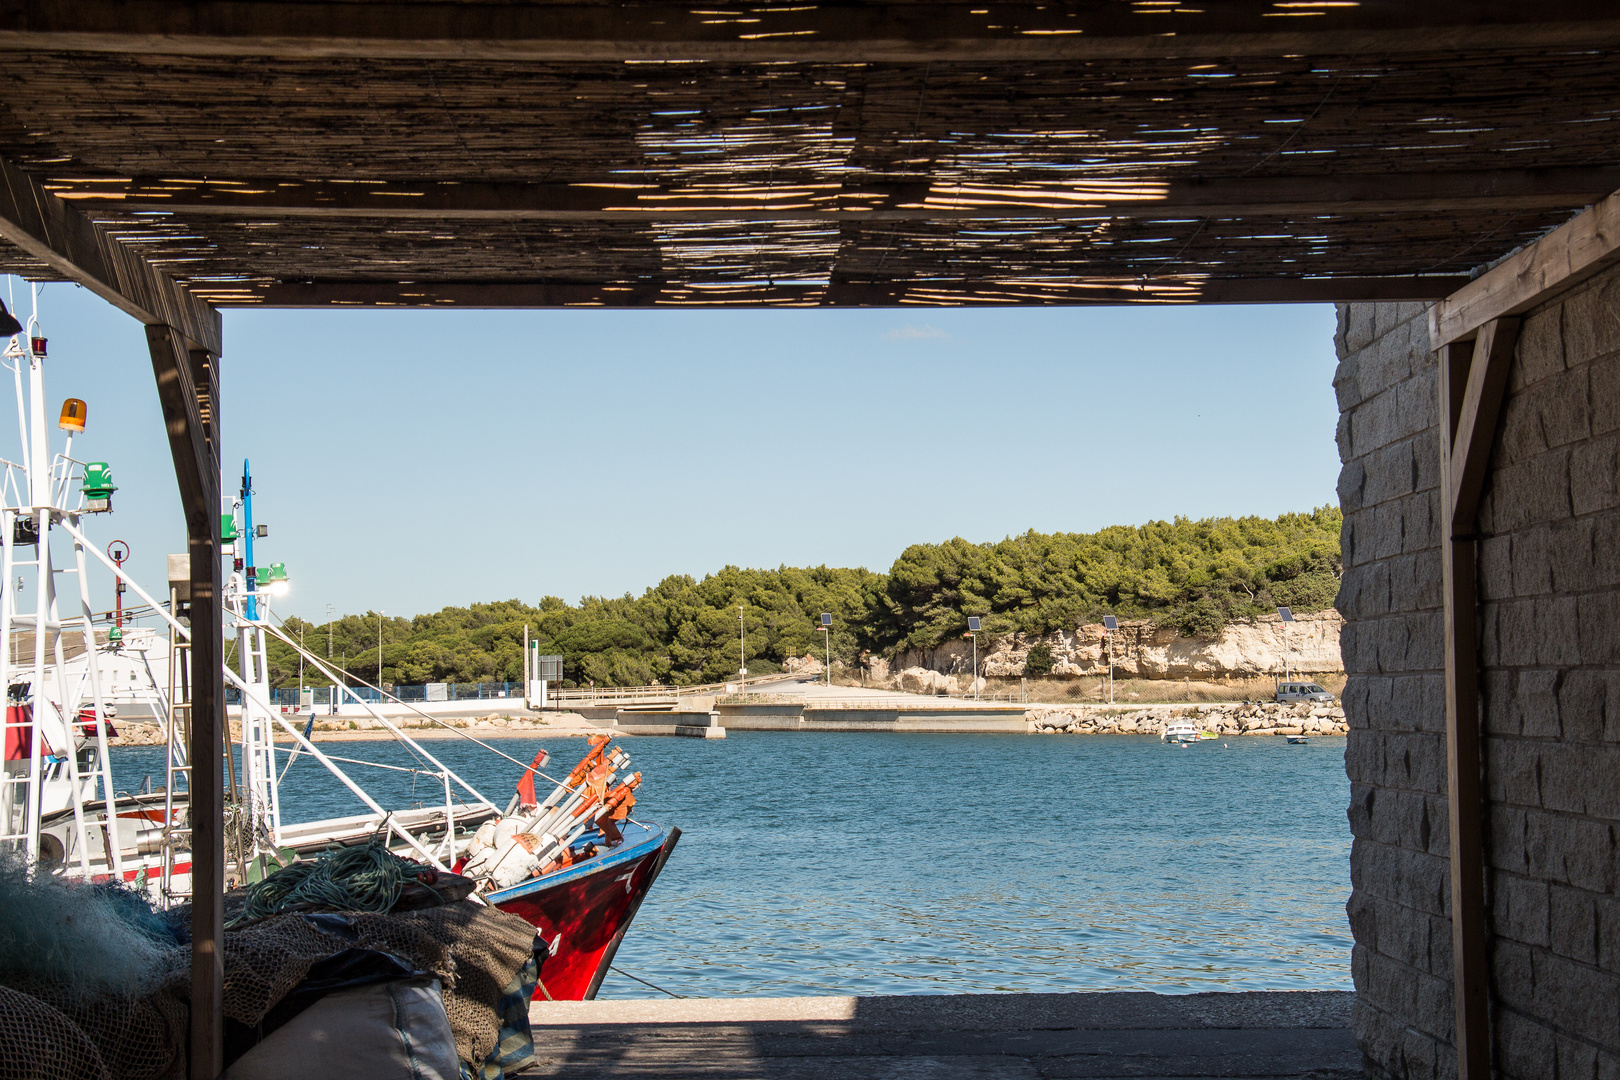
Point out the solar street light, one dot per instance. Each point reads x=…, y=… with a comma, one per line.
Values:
x=826, y=640
x=1287, y=617
x=1110, y=624
x=973, y=630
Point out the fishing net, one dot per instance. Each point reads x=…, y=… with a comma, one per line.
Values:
x=475, y=951
x=38, y=1043
x=136, y=1038
x=71, y=1007
x=87, y=963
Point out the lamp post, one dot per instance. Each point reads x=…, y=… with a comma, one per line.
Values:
x=974, y=624
x=1110, y=624
x=826, y=634
x=742, y=649
x=329, y=631
x=1287, y=617
x=379, y=650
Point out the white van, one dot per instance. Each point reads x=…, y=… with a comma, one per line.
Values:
x=1302, y=691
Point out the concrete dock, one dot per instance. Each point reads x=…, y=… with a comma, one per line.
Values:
x=952, y=1037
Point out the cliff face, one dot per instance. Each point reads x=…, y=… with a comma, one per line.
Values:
x=1243, y=650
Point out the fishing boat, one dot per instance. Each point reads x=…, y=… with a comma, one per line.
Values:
x=1179, y=731
x=64, y=812
x=1299, y=739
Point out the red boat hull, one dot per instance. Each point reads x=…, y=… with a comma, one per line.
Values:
x=583, y=912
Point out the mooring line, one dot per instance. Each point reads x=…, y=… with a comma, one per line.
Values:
x=644, y=982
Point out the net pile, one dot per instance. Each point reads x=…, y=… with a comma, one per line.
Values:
x=53, y=1028
x=84, y=971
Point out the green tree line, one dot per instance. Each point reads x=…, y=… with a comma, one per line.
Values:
x=1194, y=575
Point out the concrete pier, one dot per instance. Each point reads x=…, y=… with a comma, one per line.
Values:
x=952, y=1037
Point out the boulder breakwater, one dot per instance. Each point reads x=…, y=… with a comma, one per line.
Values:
x=1238, y=718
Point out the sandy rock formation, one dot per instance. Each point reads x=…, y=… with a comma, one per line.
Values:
x=1244, y=649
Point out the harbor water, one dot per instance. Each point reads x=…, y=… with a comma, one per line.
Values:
x=815, y=864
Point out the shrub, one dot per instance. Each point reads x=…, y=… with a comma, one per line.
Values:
x=1202, y=619
x=1038, y=661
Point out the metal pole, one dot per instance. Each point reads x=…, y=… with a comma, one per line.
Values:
x=1110, y=635
x=826, y=635
x=329, y=631
x=975, y=667
x=742, y=650
x=379, y=649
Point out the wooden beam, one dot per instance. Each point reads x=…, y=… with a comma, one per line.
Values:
x=188, y=393
x=1533, y=275
x=61, y=237
x=1472, y=384
x=840, y=31
x=853, y=200
x=521, y=294
x=1477, y=413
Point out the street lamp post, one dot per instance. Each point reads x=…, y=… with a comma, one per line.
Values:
x=826, y=634
x=1110, y=624
x=329, y=631
x=379, y=650
x=974, y=625
x=1287, y=617
x=742, y=649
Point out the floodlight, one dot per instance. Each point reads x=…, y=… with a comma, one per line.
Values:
x=826, y=618
x=973, y=623
x=1285, y=615
x=1110, y=623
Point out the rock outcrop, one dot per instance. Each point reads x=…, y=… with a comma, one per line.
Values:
x=1244, y=649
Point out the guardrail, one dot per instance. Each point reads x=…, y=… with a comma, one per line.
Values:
x=916, y=701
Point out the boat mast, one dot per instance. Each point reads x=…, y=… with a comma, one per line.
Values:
x=261, y=801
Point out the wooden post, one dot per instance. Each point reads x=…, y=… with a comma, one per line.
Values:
x=188, y=390
x=1473, y=380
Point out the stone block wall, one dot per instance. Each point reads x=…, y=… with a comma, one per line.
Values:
x=1549, y=583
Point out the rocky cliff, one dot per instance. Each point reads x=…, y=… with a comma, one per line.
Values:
x=1244, y=649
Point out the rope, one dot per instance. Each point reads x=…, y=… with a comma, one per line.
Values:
x=644, y=982
x=367, y=877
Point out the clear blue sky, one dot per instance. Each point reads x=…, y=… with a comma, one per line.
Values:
x=407, y=460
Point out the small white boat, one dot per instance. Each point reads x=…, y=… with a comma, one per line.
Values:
x=1180, y=731
x=1299, y=738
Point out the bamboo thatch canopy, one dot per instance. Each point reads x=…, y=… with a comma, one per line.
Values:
x=503, y=153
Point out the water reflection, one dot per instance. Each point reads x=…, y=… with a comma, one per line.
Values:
x=875, y=864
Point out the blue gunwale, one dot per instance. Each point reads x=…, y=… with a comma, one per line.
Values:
x=628, y=851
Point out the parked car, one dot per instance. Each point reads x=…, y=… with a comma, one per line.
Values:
x=1289, y=692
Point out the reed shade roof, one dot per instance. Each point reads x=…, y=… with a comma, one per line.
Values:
x=303, y=179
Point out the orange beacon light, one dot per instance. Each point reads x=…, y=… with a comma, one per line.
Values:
x=73, y=413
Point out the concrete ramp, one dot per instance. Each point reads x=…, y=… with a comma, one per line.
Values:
x=951, y=1037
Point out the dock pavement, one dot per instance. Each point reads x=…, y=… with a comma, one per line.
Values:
x=952, y=1037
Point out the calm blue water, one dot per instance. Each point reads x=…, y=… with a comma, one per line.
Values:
x=907, y=864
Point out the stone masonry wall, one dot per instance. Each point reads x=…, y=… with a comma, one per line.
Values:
x=1394, y=698
x=1550, y=646
x=1549, y=586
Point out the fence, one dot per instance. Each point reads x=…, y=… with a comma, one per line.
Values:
x=287, y=697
